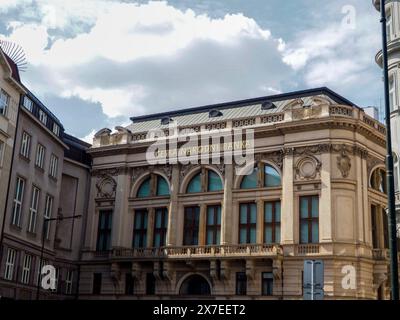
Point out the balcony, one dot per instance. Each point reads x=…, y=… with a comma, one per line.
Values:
x=197, y=252
x=380, y=254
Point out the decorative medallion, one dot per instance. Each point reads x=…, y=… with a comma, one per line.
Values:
x=307, y=168
x=106, y=187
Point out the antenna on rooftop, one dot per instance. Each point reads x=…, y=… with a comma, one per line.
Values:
x=16, y=54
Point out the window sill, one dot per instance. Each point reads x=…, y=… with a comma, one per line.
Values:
x=39, y=168
x=52, y=178
x=15, y=227
x=31, y=234
x=22, y=157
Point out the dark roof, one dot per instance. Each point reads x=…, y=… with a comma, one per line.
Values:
x=240, y=103
x=77, y=149
x=14, y=68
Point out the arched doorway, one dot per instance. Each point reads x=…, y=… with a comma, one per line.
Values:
x=195, y=285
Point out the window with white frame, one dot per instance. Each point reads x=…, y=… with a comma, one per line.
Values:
x=40, y=153
x=389, y=25
x=4, y=101
x=47, y=215
x=10, y=264
x=28, y=104
x=53, y=166
x=2, y=147
x=26, y=269
x=40, y=265
x=25, y=145
x=56, y=129
x=68, y=282
x=43, y=117
x=33, y=209
x=396, y=172
x=18, y=199
x=392, y=93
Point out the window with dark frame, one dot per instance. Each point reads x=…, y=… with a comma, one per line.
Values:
x=272, y=222
x=309, y=219
x=150, y=284
x=191, y=226
x=104, y=230
x=374, y=227
x=385, y=227
x=213, y=230
x=140, y=229
x=241, y=283
x=129, y=284
x=248, y=223
x=160, y=227
x=267, y=283
x=97, y=279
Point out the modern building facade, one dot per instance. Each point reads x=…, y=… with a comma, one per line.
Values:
x=314, y=189
x=392, y=9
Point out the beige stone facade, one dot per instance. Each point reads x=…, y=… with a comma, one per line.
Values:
x=325, y=159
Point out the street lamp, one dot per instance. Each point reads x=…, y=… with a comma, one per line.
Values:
x=394, y=274
x=45, y=222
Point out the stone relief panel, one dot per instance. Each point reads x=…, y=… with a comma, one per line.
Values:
x=307, y=168
x=106, y=187
x=344, y=163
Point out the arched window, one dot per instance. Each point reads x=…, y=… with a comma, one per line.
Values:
x=272, y=177
x=146, y=189
x=195, y=285
x=250, y=181
x=378, y=180
x=396, y=172
x=213, y=182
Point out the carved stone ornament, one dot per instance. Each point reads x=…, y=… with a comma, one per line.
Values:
x=106, y=187
x=307, y=168
x=344, y=163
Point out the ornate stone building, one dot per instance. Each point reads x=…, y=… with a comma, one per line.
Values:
x=392, y=9
x=315, y=190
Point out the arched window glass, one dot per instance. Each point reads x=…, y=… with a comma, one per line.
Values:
x=250, y=181
x=271, y=177
x=162, y=187
x=144, y=189
x=214, y=181
x=396, y=172
x=194, y=184
x=378, y=180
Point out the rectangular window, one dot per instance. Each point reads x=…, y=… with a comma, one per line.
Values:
x=374, y=227
x=385, y=227
x=28, y=104
x=10, y=264
x=272, y=222
x=53, y=166
x=213, y=225
x=18, y=198
x=26, y=269
x=248, y=223
x=191, y=226
x=160, y=227
x=104, y=230
x=150, y=284
x=129, y=289
x=309, y=219
x=48, y=208
x=56, y=129
x=267, y=283
x=241, y=283
x=43, y=117
x=69, y=281
x=140, y=229
x=4, y=102
x=96, y=283
x=33, y=209
x=40, y=153
x=392, y=93
x=25, y=145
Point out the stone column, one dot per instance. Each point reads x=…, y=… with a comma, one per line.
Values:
x=260, y=221
x=227, y=207
x=119, y=225
x=325, y=202
x=173, y=213
x=287, y=204
x=202, y=224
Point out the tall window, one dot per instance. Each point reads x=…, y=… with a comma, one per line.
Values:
x=191, y=226
x=396, y=170
x=140, y=229
x=18, y=198
x=272, y=222
x=309, y=219
x=33, y=209
x=385, y=226
x=53, y=166
x=150, y=284
x=26, y=269
x=129, y=284
x=4, y=101
x=69, y=281
x=28, y=104
x=213, y=224
x=10, y=264
x=43, y=117
x=248, y=223
x=25, y=145
x=272, y=177
x=267, y=283
x=56, y=129
x=241, y=283
x=97, y=283
x=40, y=152
x=392, y=93
x=104, y=230
x=160, y=227
x=374, y=226
x=48, y=208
